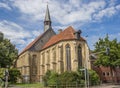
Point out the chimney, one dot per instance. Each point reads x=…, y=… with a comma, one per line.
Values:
x=78, y=34
x=59, y=31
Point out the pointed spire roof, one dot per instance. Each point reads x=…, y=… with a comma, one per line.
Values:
x=47, y=15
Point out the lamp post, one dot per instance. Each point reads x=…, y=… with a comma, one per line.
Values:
x=107, y=51
x=86, y=77
x=26, y=79
x=85, y=72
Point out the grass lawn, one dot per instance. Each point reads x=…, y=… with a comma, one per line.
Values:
x=32, y=85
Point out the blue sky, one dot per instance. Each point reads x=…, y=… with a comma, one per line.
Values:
x=22, y=20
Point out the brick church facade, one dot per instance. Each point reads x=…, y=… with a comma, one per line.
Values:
x=66, y=51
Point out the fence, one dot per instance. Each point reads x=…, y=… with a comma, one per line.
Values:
x=63, y=85
x=73, y=85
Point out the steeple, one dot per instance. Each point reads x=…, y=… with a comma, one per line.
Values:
x=47, y=21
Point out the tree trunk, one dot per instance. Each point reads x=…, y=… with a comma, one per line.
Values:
x=114, y=69
x=111, y=71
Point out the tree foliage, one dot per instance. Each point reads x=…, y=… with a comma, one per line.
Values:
x=108, y=54
x=8, y=53
x=108, y=58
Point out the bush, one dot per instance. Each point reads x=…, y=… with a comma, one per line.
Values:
x=50, y=78
x=2, y=70
x=69, y=78
x=94, y=78
x=14, y=74
x=53, y=78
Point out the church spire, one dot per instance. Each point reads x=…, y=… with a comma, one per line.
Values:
x=47, y=21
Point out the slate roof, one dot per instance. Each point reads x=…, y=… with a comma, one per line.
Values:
x=31, y=44
x=67, y=34
x=47, y=15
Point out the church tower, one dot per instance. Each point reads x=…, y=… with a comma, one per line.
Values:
x=47, y=21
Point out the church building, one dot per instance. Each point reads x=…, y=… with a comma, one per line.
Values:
x=64, y=51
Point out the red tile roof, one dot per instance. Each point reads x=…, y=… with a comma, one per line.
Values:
x=67, y=34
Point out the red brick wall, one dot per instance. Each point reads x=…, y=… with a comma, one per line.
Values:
x=105, y=73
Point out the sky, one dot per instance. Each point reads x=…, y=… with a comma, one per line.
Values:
x=21, y=21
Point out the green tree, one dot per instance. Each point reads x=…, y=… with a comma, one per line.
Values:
x=108, y=53
x=8, y=53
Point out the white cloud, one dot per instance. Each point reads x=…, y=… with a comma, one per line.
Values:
x=65, y=13
x=31, y=9
x=112, y=2
x=118, y=7
x=12, y=30
x=36, y=32
x=17, y=34
x=108, y=12
x=115, y=36
x=68, y=13
x=29, y=6
x=3, y=5
x=75, y=3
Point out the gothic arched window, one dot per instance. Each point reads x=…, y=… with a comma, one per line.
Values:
x=54, y=58
x=68, y=57
x=43, y=58
x=34, y=64
x=48, y=57
x=61, y=59
x=61, y=53
x=79, y=56
x=54, y=55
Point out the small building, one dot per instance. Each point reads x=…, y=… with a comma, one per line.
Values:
x=65, y=51
x=105, y=72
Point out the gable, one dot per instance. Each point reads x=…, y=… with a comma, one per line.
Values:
x=43, y=40
x=38, y=43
